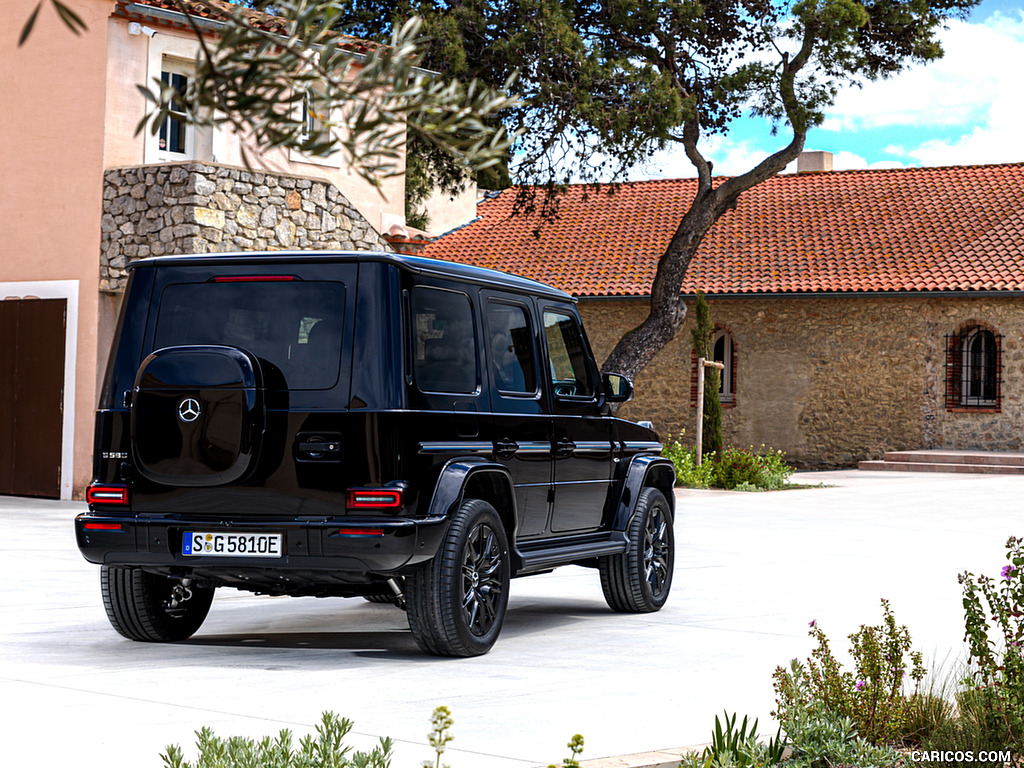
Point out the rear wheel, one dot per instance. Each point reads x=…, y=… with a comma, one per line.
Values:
x=457, y=601
x=151, y=608
x=639, y=579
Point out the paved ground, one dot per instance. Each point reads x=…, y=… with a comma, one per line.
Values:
x=752, y=571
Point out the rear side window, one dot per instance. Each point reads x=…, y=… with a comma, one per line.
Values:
x=444, y=344
x=294, y=326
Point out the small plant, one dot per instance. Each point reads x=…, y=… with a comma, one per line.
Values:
x=872, y=696
x=733, y=747
x=994, y=620
x=325, y=750
x=440, y=734
x=575, y=748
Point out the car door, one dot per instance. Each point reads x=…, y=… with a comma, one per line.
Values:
x=520, y=425
x=581, y=443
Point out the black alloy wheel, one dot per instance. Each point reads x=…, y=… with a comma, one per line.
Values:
x=457, y=601
x=639, y=579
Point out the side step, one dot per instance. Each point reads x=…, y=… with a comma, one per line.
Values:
x=542, y=555
x=977, y=462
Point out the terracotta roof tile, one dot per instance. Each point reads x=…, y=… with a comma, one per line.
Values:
x=920, y=229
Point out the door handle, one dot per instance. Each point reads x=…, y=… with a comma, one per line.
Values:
x=505, y=448
x=564, y=449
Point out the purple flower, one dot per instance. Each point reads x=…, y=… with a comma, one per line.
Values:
x=1007, y=571
x=812, y=622
x=861, y=685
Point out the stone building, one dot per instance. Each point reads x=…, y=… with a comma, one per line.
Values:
x=856, y=311
x=84, y=195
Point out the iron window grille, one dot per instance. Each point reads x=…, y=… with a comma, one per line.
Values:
x=973, y=369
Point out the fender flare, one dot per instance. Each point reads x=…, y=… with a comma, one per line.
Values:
x=644, y=470
x=457, y=474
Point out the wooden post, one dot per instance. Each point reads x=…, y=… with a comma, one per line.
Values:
x=701, y=365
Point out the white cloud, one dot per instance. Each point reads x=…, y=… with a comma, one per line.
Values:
x=981, y=68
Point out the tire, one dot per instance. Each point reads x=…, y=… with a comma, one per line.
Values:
x=639, y=579
x=137, y=605
x=456, y=603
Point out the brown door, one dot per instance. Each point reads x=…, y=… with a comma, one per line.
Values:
x=31, y=396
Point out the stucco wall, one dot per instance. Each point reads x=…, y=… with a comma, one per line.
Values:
x=155, y=210
x=831, y=380
x=51, y=162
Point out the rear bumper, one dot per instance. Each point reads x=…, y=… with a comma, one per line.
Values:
x=356, y=547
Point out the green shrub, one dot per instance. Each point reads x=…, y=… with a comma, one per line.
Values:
x=325, y=750
x=740, y=469
x=688, y=474
x=733, y=747
x=819, y=736
x=872, y=696
x=994, y=620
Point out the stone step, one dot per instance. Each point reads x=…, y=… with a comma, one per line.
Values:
x=1010, y=458
x=941, y=466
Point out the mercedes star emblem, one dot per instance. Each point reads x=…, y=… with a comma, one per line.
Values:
x=188, y=410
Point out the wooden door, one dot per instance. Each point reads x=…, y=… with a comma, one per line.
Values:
x=32, y=337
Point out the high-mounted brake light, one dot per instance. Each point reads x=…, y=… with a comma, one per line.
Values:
x=106, y=494
x=374, y=498
x=254, y=279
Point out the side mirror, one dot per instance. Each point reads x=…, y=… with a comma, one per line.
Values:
x=617, y=388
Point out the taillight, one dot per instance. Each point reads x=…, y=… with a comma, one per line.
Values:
x=106, y=494
x=374, y=498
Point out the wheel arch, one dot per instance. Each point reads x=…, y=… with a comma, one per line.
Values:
x=645, y=471
x=475, y=478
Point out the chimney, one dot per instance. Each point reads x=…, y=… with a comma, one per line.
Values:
x=814, y=161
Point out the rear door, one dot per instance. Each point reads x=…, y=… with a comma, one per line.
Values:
x=521, y=425
x=293, y=323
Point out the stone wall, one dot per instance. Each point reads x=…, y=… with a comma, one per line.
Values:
x=832, y=380
x=193, y=207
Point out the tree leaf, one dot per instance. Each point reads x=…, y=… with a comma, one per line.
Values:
x=27, y=29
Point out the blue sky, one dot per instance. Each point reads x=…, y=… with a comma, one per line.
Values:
x=966, y=108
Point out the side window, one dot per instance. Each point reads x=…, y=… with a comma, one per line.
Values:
x=511, y=348
x=570, y=374
x=176, y=137
x=973, y=368
x=444, y=344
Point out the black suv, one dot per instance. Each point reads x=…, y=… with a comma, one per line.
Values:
x=363, y=424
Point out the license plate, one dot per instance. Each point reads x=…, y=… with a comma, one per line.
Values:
x=219, y=544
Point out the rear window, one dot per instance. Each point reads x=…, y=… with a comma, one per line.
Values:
x=296, y=327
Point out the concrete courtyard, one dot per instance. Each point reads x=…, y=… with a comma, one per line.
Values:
x=752, y=569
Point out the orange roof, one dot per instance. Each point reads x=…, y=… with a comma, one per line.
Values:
x=218, y=10
x=919, y=229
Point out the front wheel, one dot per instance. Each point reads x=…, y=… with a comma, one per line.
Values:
x=456, y=603
x=152, y=608
x=639, y=579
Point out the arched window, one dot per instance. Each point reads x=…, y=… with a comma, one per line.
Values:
x=973, y=368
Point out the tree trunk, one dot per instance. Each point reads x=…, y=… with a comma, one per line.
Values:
x=637, y=348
